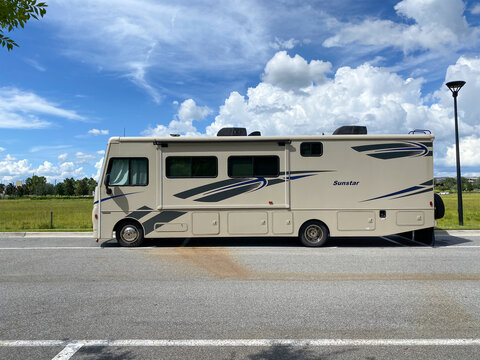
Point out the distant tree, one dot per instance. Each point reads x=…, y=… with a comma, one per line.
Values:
x=69, y=186
x=449, y=183
x=91, y=186
x=2, y=188
x=81, y=187
x=10, y=189
x=60, y=188
x=21, y=191
x=15, y=13
x=466, y=185
x=35, y=185
x=476, y=184
x=46, y=189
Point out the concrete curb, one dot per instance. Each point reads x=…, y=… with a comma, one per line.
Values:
x=88, y=234
x=457, y=232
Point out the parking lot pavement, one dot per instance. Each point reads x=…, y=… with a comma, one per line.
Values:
x=240, y=298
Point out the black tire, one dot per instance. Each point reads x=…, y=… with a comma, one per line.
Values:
x=425, y=236
x=439, y=206
x=313, y=233
x=129, y=234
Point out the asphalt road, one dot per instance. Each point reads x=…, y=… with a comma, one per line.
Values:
x=371, y=298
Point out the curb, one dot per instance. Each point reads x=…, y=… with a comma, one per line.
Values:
x=77, y=234
x=458, y=232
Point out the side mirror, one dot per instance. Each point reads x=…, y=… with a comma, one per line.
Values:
x=106, y=183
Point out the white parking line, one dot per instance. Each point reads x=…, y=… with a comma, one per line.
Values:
x=71, y=347
x=69, y=351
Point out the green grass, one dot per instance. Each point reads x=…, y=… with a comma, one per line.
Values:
x=471, y=212
x=27, y=214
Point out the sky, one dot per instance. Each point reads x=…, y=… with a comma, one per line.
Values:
x=93, y=69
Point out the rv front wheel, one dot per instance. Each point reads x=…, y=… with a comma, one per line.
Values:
x=313, y=233
x=129, y=234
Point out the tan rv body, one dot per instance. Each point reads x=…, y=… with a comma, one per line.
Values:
x=360, y=185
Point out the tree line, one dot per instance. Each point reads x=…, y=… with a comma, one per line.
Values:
x=37, y=185
x=450, y=184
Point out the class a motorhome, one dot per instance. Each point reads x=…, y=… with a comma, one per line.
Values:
x=348, y=184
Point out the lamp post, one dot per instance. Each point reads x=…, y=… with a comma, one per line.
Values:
x=455, y=87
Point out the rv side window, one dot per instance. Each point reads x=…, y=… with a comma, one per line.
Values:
x=191, y=166
x=251, y=166
x=311, y=149
x=128, y=171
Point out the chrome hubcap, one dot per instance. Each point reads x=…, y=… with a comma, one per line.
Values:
x=313, y=233
x=129, y=233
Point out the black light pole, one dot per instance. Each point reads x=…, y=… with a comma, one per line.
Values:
x=455, y=87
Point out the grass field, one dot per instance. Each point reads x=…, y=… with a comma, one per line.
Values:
x=34, y=214
x=471, y=212
x=75, y=214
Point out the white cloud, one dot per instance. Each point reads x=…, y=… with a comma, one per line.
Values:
x=34, y=63
x=437, y=24
x=48, y=147
x=293, y=73
x=98, y=166
x=2, y=149
x=137, y=37
x=63, y=157
x=279, y=44
x=101, y=152
x=20, y=110
x=476, y=9
x=183, y=121
x=98, y=132
x=12, y=169
x=189, y=111
x=83, y=158
x=469, y=152
x=365, y=95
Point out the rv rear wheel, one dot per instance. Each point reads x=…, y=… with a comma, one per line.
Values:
x=439, y=206
x=129, y=234
x=313, y=233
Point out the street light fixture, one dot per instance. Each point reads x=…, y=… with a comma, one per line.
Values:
x=455, y=87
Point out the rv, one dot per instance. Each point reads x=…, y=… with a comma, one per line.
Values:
x=348, y=184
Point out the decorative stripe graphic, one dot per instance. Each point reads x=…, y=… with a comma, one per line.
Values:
x=138, y=214
x=116, y=196
x=205, y=188
x=396, y=150
x=411, y=191
x=226, y=189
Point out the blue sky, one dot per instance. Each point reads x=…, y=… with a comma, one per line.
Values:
x=92, y=69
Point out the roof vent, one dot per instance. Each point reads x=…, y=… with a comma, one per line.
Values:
x=232, y=131
x=255, y=133
x=351, y=130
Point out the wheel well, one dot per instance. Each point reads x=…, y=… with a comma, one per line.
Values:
x=313, y=220
x=119, y=224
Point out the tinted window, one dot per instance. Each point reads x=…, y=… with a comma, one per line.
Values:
x=252, y=166
x=128, y=171
x=311, y=149
x=191, y=166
